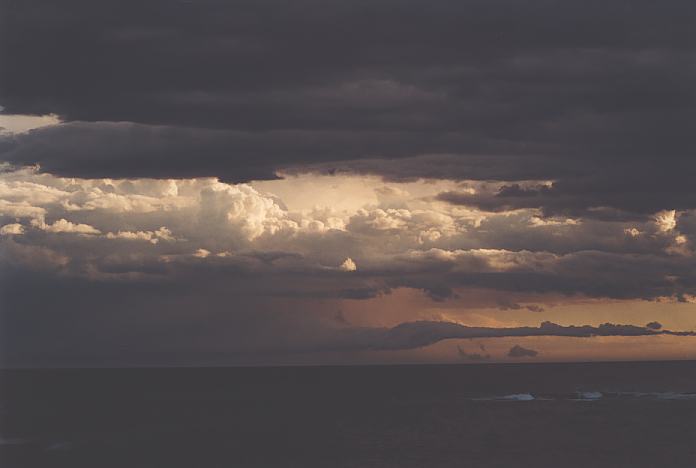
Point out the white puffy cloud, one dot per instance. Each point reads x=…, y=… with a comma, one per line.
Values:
x=21, y=209
x=348, y=265
x=380, y=220
x=64, y=226
x=201, y=253
x=666, y=220
x=12, y=229
x=150, y=236
x=399, y=237
x=242, y=209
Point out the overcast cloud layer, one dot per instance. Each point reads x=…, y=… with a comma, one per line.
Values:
x=553, y=144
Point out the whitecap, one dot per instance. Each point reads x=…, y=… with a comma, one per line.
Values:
x=12, y=441
x=518, y=397
x=590, y=396
x=512, y=397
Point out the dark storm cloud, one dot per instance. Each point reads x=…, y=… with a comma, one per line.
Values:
x=518, y=351
x=536, y=90
x=589, y=273
x=122, y=149
x=615, y=192
x=274, y=64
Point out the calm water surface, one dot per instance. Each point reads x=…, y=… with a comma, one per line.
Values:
x=533, y=415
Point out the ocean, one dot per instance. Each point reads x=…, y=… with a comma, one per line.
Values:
x=614, y=415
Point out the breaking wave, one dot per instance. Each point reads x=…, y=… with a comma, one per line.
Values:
x=591, y=396
x=513, y=397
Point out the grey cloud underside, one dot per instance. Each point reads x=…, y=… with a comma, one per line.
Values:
x=272, y=64
x=122, y=149
x=613, y=193
x=247, y=274
x=616, y=187
x=466, y=90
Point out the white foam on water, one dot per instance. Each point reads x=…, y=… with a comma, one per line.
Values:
x=12, y=441
x=594, y=396
x=519, y=397
x=589, y=396
x=513, y=397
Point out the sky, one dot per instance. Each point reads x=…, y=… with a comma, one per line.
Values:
x=346, y=182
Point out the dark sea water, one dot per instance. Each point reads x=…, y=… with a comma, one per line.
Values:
x=531, y=415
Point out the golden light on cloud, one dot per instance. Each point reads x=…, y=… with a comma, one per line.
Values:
x=383, y=253
x=21, y=123
x=198, y=187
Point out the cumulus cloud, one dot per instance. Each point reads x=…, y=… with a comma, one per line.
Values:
x=15, y=229
x=150, y=236
x=21, y=209
x=63, y=225
x=439, y=249
x=201, y=253
x=666, y=220
x=518, y=351
x=348, y=265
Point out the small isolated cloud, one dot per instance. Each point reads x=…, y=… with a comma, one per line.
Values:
x=504, y=304
x=473, y=356
x=15, y=229
x=201, y=253
x=653, y=325
x=348, y=265
x=518, y=351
